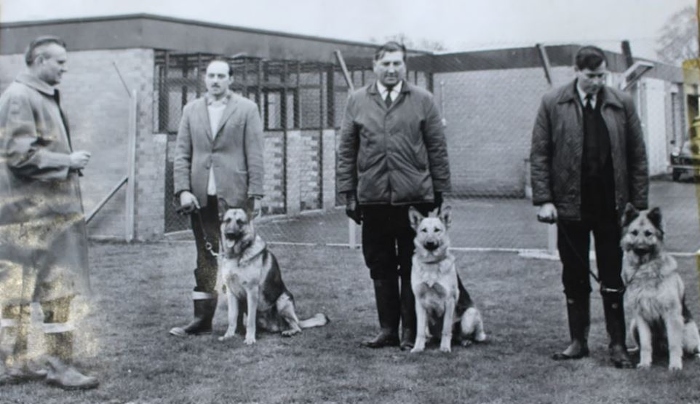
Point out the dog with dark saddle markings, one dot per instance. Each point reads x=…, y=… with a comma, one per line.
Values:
x=443, y=305
x=661, y=319
x=255, y=292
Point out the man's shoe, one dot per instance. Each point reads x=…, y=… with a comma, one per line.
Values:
x=67, y=377
x=564, y=356
x=408, y=339
x=382, y=340
x=620, y=358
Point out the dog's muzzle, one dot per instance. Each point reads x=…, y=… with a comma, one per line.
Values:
x=233, y=235
x=641, y=251
x=431, y=245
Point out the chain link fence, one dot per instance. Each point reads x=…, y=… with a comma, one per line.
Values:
x=488, y=99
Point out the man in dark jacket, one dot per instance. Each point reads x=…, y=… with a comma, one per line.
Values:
x=43, y=241
x=588, y=160
x=392, y=155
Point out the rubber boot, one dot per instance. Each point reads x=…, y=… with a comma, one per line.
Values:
x=204, y=309
x=18, y=368
x=408, y=315
x=615, y=325
x=61, y=372
x=579, y=315
x=386, y=293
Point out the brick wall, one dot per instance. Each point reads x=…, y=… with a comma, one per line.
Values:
x=97, y=104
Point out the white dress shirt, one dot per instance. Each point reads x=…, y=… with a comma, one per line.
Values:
x=216, y=110
x=395, y=91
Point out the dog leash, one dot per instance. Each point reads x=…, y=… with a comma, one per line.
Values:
x=207, y=244
x=585, y=262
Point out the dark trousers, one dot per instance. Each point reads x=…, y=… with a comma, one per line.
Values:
x=574, y=243
x=387, y=240
x=206, y=222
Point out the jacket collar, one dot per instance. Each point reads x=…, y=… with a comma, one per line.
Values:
x=35, y=83
x=224, y=100
x=405, y=87
x=606, y=96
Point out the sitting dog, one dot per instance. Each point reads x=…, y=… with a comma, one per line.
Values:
x=253, y=281
x=655, y=291
x=442, y=302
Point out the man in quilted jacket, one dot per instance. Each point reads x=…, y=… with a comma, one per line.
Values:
x=392, y=155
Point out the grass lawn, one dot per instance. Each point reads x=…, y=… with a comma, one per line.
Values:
x=142, y=290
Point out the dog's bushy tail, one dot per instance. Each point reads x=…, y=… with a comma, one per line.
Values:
x=318, y=320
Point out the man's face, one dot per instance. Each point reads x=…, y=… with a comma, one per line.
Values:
x=591, y=81
x=217, y=79
x=51, y=61
x=390, y=68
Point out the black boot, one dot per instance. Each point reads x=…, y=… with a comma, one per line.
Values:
x=386, y=293
x=408, y=315
x=204, y=308
x=61, y=372
x=615, y=324
x=579, y=315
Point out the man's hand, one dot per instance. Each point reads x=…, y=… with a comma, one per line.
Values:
x=547, y=213
x=79, y=159
x=352, y=209
x=188, y=203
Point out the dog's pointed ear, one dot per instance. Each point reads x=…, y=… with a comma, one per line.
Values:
x=446, y=216
x=414, y=217
x=630, y=214
x=656, y=219
x=435, y=212
x=223, y=207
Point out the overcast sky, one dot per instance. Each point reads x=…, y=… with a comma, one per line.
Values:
x=458, y=24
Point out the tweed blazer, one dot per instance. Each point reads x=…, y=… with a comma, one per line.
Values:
x=235, y=154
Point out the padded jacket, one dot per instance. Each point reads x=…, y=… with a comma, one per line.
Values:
x=557, y=149
x=395, y=155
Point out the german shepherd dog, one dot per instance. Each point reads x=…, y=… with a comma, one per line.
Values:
x=661, y=320
x=254, y=289
x=443, y=305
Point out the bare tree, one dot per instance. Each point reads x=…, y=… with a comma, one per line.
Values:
x=422, y=44
x=678, y=39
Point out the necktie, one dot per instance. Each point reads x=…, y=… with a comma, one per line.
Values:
x=387, y=100
x=589, y=103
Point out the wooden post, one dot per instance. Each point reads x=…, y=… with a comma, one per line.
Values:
x=131, y=167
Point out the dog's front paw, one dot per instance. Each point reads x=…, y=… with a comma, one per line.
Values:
x=445, y=347
x=675, y=366
x=643, y=365
x=417, y=349
x=249, y=340
x=227, y=336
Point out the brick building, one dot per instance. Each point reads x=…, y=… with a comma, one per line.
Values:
x=488, y=98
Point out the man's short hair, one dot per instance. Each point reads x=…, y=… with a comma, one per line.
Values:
x=589, y=57
x=35, y=45
x=222, y=60
x=391, y=46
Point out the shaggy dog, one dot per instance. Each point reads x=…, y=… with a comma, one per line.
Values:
x=655, y=291
x=443, y=305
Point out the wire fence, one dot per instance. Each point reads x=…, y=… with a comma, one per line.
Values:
x=489, y=101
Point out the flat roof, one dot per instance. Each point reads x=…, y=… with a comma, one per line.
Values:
x=179, y=35
x=147, y=31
